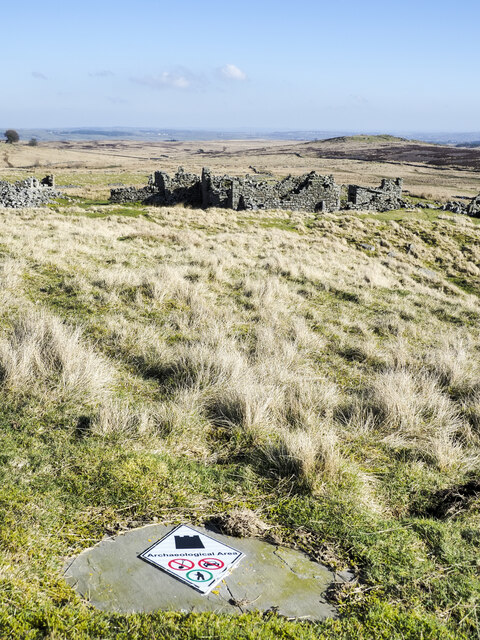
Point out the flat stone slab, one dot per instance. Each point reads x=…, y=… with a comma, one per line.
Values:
x=113, y=578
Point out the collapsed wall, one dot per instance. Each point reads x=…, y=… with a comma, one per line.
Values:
x=28, y=193
x=471, y=209
x=310, y=192
x=384, y=198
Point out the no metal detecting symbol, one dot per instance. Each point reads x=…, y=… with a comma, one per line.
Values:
x=211, y=563
x=181, y=564
x=199, y=575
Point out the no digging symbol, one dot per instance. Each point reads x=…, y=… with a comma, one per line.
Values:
x=181, y=564
x=211, y=563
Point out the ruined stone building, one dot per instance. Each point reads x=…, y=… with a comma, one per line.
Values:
x=310, y=192
x=30, y=192
x=384, y=198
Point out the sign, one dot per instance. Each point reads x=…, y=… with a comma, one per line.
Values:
x=193, y=557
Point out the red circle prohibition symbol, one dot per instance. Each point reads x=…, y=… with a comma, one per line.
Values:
x=211, y=563
x=181, y=564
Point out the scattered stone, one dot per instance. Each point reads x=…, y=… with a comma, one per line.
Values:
x=455, y=207
x=345, y=576
x=429, y=273
x=470, y=209
x=28, y=193
x=368, y=247
x=410, y=249
x=270, y=578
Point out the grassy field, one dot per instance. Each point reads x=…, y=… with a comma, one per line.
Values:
x=171, y=365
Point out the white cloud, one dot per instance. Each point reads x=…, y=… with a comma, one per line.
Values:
x=181, y=79
x=232, y=72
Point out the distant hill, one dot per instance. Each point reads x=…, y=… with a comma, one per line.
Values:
x=369, y=139
x=386, y=148
x=470, y=145
x=155, y=134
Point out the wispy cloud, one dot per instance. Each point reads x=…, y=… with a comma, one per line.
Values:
x=39, y=75
x=358, y=100
x=115, y=100
x=103, y=73
x=180, y=79
x=232, y=72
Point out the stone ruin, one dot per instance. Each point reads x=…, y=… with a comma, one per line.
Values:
x=30, y=192
x=471, y=209
x=386, y=197
x=309, y=192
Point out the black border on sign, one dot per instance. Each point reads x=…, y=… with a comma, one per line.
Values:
x=178, y=577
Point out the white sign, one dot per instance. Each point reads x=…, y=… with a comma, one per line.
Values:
x=193, y=557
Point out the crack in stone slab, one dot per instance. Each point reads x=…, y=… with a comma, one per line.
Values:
x=275, y=553
x=232, y=599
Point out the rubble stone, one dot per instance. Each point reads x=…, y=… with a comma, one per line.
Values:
x=28, y=193
x=384, y=198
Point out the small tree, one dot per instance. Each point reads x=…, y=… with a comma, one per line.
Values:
x=33, y=142
x=12, y=136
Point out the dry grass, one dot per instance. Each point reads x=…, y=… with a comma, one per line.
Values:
x=181, y=364
x=285, y=346
x=41, y=352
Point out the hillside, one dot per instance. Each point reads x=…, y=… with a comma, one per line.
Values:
x=369, y=139
x=385, y=148
x=171, y=365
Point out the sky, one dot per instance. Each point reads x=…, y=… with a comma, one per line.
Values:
x=355, y=65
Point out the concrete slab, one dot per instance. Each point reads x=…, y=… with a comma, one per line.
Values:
x=113, y=578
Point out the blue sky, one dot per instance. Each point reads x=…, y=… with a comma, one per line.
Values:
x=350, y=65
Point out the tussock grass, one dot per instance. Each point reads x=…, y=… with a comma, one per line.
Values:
x=418, y=415
x=41, y=352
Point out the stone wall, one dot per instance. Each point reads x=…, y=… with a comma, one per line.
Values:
x=473, y=208
x=124, y=195
x=310, y=192
x=384, y=198
x=28, y=193
x=470, y=209
x=184, y=187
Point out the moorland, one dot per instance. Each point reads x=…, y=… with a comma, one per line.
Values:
x=173, y=365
